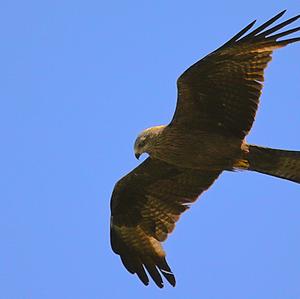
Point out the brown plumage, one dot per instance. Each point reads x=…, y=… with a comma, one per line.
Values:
x=216, y=106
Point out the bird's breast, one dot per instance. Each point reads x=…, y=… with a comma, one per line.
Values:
x=199, y=150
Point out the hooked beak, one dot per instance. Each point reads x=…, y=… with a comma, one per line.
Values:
x=137, y=155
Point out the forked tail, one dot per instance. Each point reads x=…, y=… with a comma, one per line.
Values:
x=280, y=163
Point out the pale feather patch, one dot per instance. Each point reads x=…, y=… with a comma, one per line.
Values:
x=241, y=164
x=139, y=241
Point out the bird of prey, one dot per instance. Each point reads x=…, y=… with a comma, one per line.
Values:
x=216, y=106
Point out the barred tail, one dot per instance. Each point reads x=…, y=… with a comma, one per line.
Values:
x=280, y=163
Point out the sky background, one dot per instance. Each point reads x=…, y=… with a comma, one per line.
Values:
x=79, y=81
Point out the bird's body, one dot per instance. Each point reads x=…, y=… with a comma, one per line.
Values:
x=195, y=149
x=217, y=102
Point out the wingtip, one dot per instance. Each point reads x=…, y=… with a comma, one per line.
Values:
x=169, y=276
x=167, y=272
x=282, y=12
x=173, y=281
x=279, y=15
x=260, y=33
x=158, y=282
x=143, y=278
x=252, y=23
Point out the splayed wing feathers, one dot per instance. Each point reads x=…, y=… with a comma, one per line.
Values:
x=145, y=207
x=220, y=93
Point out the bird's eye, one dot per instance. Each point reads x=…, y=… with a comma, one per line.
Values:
x=142, y=143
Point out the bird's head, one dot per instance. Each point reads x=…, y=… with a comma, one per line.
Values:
x=146, y=140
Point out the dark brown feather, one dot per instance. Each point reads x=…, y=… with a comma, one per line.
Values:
x=145, y=205
x=220, y=93
x=280, y=163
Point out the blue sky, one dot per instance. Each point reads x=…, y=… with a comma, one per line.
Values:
x=80, y=79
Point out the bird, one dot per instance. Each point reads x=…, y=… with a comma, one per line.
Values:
x=217, y=100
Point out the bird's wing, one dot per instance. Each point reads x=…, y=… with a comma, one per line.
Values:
x=145, y=205
x=220, y=93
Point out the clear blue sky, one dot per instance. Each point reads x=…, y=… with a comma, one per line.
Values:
x=79, y=81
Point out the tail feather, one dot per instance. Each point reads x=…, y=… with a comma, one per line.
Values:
x=279, y=163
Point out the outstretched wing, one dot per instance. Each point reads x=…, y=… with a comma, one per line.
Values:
x=220, y=93
x=145, y=205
